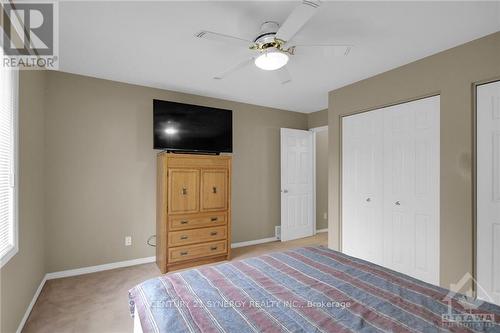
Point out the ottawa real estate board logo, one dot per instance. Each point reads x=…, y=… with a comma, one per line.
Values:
x=29, y=35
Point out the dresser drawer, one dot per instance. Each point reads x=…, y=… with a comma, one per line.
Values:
x=196, y=251
x=184, y=237
x=181, y=222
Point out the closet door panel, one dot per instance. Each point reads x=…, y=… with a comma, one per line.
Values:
x=488, y=192
x=399, y=181
x=362, y=186
x=411, y=192
x=426, y=189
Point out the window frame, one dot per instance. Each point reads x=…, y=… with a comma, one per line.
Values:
x=14, y=248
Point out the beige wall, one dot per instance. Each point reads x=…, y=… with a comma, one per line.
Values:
x=321, y=179
x=100, y=169
x=21, y=276
x=317, y=119
x=451, y=73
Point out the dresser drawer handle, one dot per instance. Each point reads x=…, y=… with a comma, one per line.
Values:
x=213, y=248
x=184, y=222
x=184, y=237
x=184, y=253
x=213, y=219
x=213, y=233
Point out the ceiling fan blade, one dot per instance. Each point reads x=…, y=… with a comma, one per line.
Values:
x=326, y=49
x=283, y=75
x=233, y=69
x=223, y=38
x=297, y=19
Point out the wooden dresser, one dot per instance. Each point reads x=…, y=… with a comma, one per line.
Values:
x=193, y=210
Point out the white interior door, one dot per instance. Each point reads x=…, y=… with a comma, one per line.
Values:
x=390, y=187
x=297, y=219
x=488, y=192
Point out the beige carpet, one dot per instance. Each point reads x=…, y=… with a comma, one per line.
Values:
x=98, y=302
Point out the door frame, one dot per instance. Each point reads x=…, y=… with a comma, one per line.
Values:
x=316, y=130
x=474, y=125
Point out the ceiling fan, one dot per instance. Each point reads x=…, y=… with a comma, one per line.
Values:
x=274, y=45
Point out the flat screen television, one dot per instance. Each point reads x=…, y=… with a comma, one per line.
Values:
x=192, y=128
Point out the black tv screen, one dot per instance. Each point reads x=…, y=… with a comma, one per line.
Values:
x=192, y=128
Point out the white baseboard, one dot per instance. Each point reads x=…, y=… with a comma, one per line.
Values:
x=78, y=271
x=99, y=268
x=253, y=242
x=264, y=240
x=113, y=265
x=32, y=303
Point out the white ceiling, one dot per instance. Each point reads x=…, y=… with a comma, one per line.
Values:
x=152, y=44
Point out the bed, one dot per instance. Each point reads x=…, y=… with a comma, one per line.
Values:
x=309, y=289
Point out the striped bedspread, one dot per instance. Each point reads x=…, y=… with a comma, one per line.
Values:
x=311, y=289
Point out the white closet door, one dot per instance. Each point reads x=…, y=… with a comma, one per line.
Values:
x=390, y=187
x=411, y=188
x=362, y=145
x=488, y=192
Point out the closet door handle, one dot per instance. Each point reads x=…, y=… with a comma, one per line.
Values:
x=397, y=203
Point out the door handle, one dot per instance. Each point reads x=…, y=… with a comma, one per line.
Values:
x=285, y=191
x=214, y=189
x=397, y=203
x=184, y=190
x=368, y=199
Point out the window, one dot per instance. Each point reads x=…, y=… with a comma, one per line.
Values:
x=8, y=163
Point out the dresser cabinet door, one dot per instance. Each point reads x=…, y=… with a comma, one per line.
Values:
x=183, y=190
x=213, y=190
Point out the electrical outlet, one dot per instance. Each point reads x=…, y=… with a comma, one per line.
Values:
x=128, y=240
x=325, y=215
x=277, y=232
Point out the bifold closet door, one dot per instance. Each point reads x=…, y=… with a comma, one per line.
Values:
x=411, y=188
x=362, y=188
x=390, y=187
x=488, y=192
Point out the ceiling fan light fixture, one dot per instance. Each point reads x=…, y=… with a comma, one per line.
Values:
x=271, y=59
